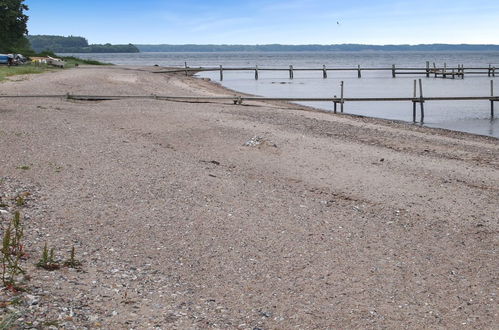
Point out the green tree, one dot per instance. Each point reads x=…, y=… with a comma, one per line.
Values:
x=13, y=24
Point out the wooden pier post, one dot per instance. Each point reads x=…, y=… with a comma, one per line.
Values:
x=489, y=70
x=435, y=69
x=359, y=75
x=445, y=71
x=185, y=63
x=414, y=103
x=256, y=72
x=421, y=100
x=393, y=71
x=291, y=74
x=221, y=73
x=341, y=101
x=492, y=99
x=453, y=74
x=324, y=72
x=427, y=69
x=335, y=104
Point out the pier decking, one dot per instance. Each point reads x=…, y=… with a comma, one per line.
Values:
x=459, y=71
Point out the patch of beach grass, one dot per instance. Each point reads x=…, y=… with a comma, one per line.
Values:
x=8, y=71
x=72, y=61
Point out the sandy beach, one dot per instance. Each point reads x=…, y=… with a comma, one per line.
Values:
x=210, y=215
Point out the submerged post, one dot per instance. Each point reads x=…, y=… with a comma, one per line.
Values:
x=427, y=69
x=221, y=73
x=324, y=72
x=291, y=74
x=489, y=70
x=435, y=69
x=341, y=102
x=256, y=72
x=421, y=100
x=393, y=70
x=359, y=75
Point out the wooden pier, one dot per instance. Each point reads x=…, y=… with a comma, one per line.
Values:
x=238, y=99
x=445, y=72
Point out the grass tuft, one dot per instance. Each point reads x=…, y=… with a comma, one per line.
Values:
x=72, y=262
x=47, y=260
x=12, y=252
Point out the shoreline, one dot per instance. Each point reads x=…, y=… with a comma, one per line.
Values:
x=377, y=120
x=215, y=215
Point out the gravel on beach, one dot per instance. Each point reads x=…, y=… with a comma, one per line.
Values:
x=213, y=215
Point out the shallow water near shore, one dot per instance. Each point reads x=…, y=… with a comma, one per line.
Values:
x=466, y=116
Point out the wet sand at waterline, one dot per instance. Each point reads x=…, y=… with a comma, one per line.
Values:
x=255, y=216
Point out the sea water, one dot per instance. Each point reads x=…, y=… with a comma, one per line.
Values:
x=467, y=116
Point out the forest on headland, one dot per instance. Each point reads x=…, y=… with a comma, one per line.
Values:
x=72, y=44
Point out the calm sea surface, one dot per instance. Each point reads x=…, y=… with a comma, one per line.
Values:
x=466, y=116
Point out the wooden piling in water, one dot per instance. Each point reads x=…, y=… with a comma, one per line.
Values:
x=393, y=71
x=359, y=75
x=291, y=74
x=491, y=99
x=342, y=101
x=427, y=69
x=324, y=71
x=414, y=103
x=185, y=63
x=256, y=72
x=435, y=69
x=421, y=99
x=221, y=73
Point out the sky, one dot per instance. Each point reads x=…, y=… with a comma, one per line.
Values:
x=268, y=21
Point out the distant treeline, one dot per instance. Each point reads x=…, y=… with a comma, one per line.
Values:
x=72, y=44
x=295, y=48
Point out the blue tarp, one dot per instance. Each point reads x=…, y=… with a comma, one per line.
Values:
x=4, y=59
